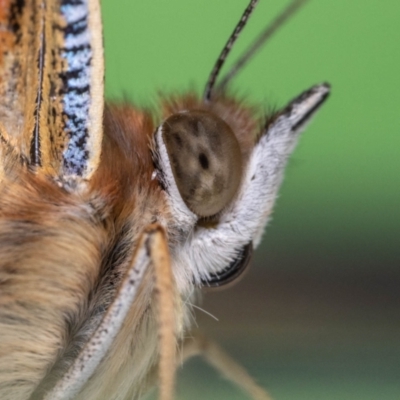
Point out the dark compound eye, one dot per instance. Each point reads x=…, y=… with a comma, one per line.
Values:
x=205, y=159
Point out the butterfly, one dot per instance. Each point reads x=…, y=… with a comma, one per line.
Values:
x=113, y=217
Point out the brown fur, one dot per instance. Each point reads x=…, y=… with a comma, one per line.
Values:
x=51, y=246
x=63, y=253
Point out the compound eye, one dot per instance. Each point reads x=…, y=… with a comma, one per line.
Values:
x=205, y=159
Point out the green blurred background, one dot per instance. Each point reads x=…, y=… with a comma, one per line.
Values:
x=318, y=316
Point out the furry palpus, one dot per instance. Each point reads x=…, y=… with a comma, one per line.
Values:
x=110, y=220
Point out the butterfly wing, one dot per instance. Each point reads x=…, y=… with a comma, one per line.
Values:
x=51, y=116
x=51, y=84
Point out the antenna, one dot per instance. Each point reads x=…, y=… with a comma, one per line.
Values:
x=266, y=34
x=225, y=51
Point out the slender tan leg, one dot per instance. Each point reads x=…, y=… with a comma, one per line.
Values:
x=222, y=362
x=165, y=294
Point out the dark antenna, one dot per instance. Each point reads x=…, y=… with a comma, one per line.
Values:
x=225, y=51
x=266, y=34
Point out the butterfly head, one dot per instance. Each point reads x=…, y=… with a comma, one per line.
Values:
x=221, y=166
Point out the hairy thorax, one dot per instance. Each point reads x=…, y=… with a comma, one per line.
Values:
x=62, y=258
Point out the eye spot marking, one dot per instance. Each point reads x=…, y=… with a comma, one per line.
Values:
x=195, y=126
x=175, y=162
x=204, y=161
x=178, y=140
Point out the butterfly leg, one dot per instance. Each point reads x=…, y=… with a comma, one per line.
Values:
x=152, y=250
x=165, y=295
x=197, y=344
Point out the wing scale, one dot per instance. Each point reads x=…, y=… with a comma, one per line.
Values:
x=51, y=85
